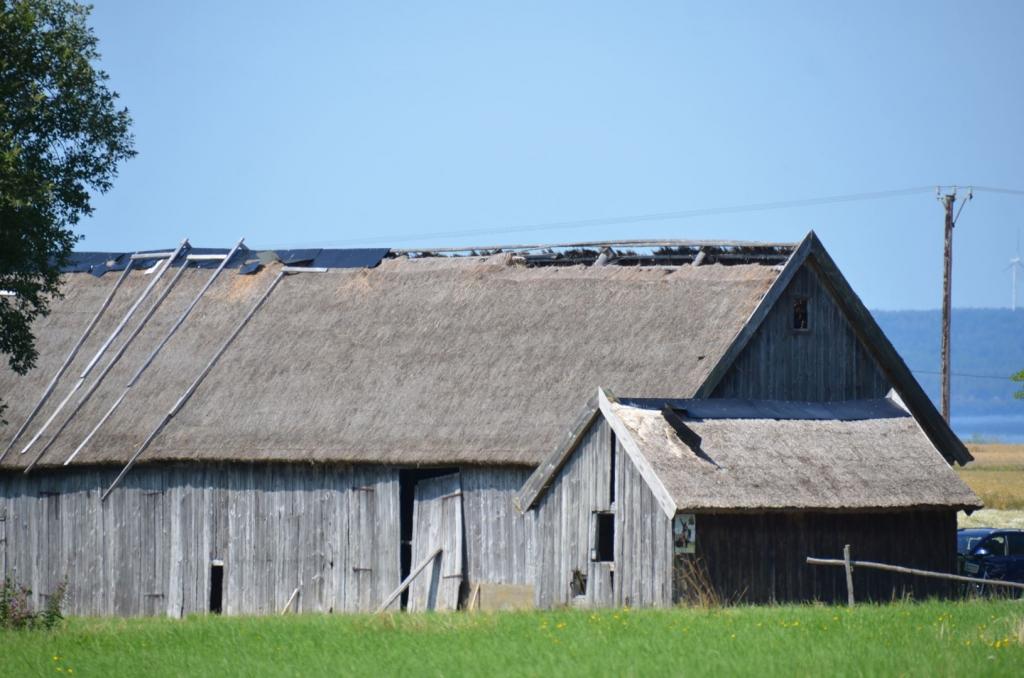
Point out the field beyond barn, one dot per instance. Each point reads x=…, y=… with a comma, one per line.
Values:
x=925, y=639
x=997, y=476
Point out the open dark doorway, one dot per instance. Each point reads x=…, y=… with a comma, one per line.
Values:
x=407, y=479
x=216, y=587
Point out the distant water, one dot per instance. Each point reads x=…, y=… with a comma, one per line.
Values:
x=1003, y=428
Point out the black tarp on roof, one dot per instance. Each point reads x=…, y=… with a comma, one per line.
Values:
x=350, y=258
x=728, y=408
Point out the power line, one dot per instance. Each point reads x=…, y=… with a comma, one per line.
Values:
x=1007, y=191
x=964, y=374
x=636, y=218
x=639, y=218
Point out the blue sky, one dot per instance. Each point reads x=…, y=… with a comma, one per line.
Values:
x=341, y=124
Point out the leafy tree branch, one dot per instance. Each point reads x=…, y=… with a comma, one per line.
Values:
x=62, y=136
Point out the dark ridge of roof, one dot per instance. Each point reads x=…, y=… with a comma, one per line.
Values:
x=84, y=262
x=627, y=253
x=663, y=256
x=614, y=253
x=98, y=263
x=778, y=410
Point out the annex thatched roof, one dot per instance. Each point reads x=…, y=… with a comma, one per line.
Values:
x=873, y=461
x=427, y=361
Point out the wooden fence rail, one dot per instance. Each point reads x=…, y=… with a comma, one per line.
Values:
x=848, y=565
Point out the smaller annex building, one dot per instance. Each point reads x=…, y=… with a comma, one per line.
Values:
x=650, y=500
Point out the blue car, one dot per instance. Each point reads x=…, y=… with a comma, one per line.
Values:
x=990, y=553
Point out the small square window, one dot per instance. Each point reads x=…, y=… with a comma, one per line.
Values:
x=801, y=319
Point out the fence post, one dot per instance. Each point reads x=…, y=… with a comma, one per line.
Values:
x=849, y=575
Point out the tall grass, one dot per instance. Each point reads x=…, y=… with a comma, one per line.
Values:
x=997, y=475
x=926, y=639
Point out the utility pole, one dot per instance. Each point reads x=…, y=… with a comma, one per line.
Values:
x=948, y=201
x=947, y=286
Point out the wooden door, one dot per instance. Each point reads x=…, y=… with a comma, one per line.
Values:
x=363, y=533
x=437, y=524
x=600, y=585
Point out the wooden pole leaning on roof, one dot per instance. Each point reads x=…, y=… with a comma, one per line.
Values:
x=110, y=339
x=68, y=360
x=224, y=259
x=118, y=354
x=194, y=385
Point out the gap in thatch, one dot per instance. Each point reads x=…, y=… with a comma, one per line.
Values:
x=624, y=254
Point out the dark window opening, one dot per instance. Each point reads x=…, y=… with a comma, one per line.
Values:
x=604, y=538
x=407, y=480
x=801, y=322
x=611, y=472
x=216, y=587
x=578, y=584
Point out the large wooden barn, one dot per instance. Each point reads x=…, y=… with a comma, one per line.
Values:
x=241, y=431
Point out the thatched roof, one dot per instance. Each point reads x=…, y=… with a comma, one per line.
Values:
x=427, y=361
x=842, y=463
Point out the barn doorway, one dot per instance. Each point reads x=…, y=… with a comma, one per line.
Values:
x=216, y=587
x=423, y=494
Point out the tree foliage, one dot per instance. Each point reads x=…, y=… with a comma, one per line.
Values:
x=62, y=136
x=1019, y=378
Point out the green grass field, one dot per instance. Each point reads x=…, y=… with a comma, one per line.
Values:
x=926, y=639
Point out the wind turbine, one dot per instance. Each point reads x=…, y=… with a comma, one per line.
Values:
x=1015, y=265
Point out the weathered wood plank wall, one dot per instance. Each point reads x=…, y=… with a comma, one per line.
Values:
x=498, y=538
x=642, y=571
x=759, y=558
x=148, y=549
x=825, y=363
x=565, y=513
x=643, y=551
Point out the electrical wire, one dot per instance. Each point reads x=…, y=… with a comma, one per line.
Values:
x=639, y=218
x=963, y=374
x=656, y=216
x=1007, y=191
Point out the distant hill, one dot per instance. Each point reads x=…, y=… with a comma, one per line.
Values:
x=987, y=347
